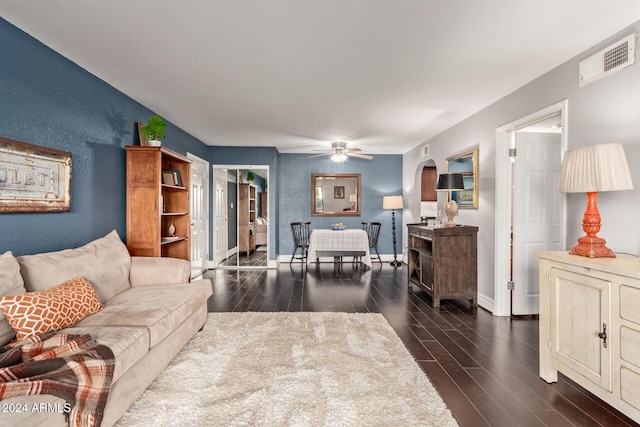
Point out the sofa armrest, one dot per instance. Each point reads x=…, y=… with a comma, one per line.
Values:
x=159, y=271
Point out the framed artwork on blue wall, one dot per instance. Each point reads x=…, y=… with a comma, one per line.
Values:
x=34, y=178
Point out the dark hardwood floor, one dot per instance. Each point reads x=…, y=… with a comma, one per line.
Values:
x=484, y=367
x=257, y=258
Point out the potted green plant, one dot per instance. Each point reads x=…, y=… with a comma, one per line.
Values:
x=154, y=130
x=250, y=176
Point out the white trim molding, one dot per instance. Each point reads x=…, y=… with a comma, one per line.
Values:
x=505, y=139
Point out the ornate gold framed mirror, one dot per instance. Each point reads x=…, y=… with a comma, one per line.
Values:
x=335, y=194
x=465, y=163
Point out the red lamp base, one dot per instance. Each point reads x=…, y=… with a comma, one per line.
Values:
x=591, y=245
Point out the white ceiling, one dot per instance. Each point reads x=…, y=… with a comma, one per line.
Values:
x=383, y=75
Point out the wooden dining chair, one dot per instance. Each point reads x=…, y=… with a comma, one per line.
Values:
x=300, y=233
x=373, y=233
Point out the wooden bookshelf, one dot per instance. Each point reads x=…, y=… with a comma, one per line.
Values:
x=155, y=202
x=246, y=218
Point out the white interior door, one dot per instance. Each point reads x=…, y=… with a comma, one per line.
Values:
x=199, y=215
x=537, y=213
x=221, y=215
x=501, y=304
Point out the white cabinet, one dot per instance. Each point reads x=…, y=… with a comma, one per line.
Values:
x=590, y=325
x=579, y=309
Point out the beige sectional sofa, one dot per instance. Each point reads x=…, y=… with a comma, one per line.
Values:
x=151, y=310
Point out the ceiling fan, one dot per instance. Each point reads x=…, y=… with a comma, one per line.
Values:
x=339, y=152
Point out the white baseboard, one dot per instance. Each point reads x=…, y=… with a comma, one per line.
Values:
x=486, y=302
x=285, y=259
x=383, y=257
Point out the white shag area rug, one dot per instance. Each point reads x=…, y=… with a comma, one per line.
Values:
x=292, y=369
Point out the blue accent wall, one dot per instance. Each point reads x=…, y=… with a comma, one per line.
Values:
x=380, y=177
x=47, y=100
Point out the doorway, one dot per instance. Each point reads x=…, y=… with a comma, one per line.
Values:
x=199, y=215
x=530, y=213
x=428, y=177
x=221, y=177
x=241, y=213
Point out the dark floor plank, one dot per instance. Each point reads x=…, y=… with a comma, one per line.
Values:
x=491, y=410
x=505, y=398
x=552, y=418
x=465, y=412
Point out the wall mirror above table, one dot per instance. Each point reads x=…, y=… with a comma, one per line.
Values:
x=335, y=194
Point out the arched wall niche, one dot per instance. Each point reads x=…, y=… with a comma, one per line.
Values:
x=425, y=178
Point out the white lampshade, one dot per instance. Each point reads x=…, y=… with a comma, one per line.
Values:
x=595, y=168
x=392, y=202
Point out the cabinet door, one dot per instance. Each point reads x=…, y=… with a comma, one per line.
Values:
x=426, y=267
x=579, y=307
x=413, y=265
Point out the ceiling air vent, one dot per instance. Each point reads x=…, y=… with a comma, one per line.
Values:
x=615, y=57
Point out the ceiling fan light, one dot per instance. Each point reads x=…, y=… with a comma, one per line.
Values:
x=339, y=157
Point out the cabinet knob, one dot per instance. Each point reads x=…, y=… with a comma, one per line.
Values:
x=603, y=335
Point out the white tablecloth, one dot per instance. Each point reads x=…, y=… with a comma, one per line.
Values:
x=339, y=240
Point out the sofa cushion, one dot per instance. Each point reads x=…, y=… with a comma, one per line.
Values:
x=10, y=284
x=105, y=263
x=160, y=308
x=129, y=344
x=33, y=313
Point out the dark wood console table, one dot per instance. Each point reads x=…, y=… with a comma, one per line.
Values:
x=444, y=261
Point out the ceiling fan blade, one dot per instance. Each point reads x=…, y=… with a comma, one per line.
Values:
x=319, y=155
x=362, y=156
x=351, y=149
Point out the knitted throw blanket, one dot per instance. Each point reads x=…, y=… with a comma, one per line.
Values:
x=74, y=368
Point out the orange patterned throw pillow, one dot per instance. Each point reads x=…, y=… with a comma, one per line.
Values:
x=33, y=313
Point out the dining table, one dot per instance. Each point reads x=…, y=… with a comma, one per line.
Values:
x=339, y=243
